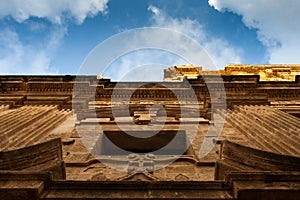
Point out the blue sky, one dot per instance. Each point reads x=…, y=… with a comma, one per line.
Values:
x=55, y=36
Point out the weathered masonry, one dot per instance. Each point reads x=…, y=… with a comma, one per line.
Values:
x=68, y=137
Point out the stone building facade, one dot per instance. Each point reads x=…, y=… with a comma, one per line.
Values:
x=197, y=135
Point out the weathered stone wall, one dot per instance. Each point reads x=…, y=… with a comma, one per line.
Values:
x=259, y=115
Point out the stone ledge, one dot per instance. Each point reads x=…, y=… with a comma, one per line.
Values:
x=249, y=185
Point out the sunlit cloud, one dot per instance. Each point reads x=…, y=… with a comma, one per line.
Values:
x=276, y=23
x=54, y=10
x=220, y=50
x=32, y=57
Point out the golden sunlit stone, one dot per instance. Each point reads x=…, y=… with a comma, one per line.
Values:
x=273, y=72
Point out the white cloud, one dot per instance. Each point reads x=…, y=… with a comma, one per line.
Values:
x=277, y=23
x=31, y=57
x=218, y=49
x=142, y=65
x=142, y=54
x=53, y=10
x=153, y=9
x=19, y=58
